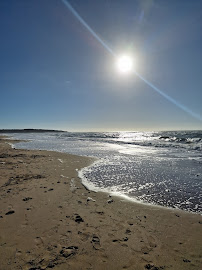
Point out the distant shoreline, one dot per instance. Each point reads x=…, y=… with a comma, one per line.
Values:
x=29, y=130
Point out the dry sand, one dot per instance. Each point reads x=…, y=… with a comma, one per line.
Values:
x=49, y=220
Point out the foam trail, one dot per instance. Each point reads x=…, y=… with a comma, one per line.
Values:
x=67, y=4
x=181, y=106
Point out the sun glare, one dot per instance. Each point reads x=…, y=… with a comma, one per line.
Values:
x=125, y=64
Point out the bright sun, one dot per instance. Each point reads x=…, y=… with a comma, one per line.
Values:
x=125, y=64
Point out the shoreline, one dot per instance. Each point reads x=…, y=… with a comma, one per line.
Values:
x=95, y=189
x=123, y=197
x=153, y=203
x=60, y=224
x=92, y=188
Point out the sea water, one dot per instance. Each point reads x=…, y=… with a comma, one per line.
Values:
x=162, y=168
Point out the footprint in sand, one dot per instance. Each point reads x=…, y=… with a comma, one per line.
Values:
x=96, y=242
x=39, y=241
x=149, y=243
x=24, y=225
x=83, y=236
x=69, y=251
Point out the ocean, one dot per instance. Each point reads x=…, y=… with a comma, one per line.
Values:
x=160, y=168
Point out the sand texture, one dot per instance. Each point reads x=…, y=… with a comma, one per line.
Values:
x=49, y=220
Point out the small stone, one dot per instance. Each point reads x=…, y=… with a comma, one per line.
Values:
x=186, y=260
x=78, y=219
x=95, y=239
x=95, y=242
x=10, y=212
x=100, y=212
x=110, y=201
x=73, y=247
x=150, y=266
x=27, y=199
x=90, y=199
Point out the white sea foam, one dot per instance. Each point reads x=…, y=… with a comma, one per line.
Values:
x=11, y=144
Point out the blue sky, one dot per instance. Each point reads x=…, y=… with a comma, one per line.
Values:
x=55, y=74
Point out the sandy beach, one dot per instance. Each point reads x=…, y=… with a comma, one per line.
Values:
x=48, y=219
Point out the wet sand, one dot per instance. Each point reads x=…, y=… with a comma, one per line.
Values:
x=48, y=219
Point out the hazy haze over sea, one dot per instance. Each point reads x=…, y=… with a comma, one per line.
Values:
x=163, y=168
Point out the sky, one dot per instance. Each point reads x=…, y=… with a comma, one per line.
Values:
x=54, y=74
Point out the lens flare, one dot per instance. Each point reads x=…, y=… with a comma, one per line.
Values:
x=172, y=100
